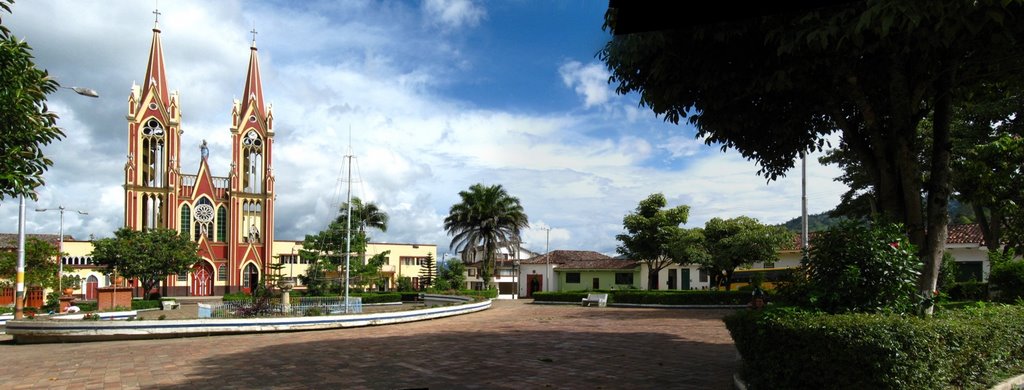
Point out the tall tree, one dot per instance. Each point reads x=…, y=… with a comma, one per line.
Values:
x=428, y=272
x=26, y=123
x=40, y=267
x=741, y=241
x=149, y=255
x=773, y=86
x=485, y=220
x=650, y=233
x=364, y=215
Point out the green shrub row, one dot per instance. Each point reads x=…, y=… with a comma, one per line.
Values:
x=968, y=291
x=379, y=297
x=139, y=304
x=967, y=348
x=685, y=297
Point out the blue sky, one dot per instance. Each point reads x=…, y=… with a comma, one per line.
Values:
x=439, y=94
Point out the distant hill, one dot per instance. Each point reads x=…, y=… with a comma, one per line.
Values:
x=815, y=222
x=959, y=213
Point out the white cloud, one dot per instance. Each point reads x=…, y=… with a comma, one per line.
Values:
x=328, y=68
x=590, y=81
x=679, y=146
x=454, y=13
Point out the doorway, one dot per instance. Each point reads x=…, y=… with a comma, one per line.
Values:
x=91, y=284
x=202, y=279
x=534, y=283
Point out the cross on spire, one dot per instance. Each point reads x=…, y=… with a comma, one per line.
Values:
x=254, y=34
x=156, y=12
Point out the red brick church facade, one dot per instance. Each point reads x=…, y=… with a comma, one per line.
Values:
x=231, y=217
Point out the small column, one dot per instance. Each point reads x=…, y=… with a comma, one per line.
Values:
x=65, y=302
x=286, y=285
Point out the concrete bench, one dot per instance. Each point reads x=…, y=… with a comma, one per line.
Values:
x=601, y=300
x=170, y=305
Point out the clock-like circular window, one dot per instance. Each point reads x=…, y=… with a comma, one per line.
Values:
x=203, y=213
x=252, y=118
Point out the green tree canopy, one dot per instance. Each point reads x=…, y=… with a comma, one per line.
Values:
x=40, y=266
x=773, y=86
x=485, y=220
x=26, y=123
x=149, y=255
x=650, y=232
x=741, y=241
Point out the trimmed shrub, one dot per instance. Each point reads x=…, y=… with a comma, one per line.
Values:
x=139, y=304
x=968, y=291
x=379, y=297
x=647, y=297
x=853, y=267
x=1008, y=278
x=965, y=348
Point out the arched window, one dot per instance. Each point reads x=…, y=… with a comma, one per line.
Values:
x=203, y=214
x=251, y=220
x=152, y=211
x=252, y=163
x=250, y=276
x=152, y=153
x=186, y=219
x=222, y=272
x=222, y=223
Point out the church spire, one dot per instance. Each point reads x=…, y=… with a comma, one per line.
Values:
x=253, y=94
x=155, y=76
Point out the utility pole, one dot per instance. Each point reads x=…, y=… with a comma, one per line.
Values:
x=547, y=259
x=60, y=248
x=804, y=233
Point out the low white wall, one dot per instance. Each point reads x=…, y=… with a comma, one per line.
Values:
x=38, y=331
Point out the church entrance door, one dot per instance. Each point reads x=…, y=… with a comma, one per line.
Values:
x=202, y=279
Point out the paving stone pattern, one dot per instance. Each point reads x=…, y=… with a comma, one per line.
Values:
x=514, y=345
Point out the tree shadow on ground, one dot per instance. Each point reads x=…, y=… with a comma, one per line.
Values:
x=446, y=359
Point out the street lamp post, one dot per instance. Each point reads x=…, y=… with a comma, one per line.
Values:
x=547, y=259
x=19, y=296
x=60, y=248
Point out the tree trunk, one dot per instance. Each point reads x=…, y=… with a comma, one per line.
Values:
x=938, y=189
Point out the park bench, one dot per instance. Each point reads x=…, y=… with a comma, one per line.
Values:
x=170, y=305
x=601, y=300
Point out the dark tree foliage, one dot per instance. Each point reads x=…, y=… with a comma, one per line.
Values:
x=149, y=255
x=26, y=123
x=428, y=272
x=485, y=220
x=773, y=86
x=652, y=230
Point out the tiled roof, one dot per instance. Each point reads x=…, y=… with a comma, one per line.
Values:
x=598, y=264
x=10, y=240
x=565, y=256
x=957, y=234
x=965, y=234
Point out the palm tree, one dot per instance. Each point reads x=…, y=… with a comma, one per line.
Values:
x=364, y=215
x=487, y=219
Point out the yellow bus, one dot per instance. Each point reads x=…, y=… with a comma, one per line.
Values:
x=769, y=277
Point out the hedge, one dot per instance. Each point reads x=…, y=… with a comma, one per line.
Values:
x=969, y=291
x=967, y=348
x=647, y=297
x=379, y=297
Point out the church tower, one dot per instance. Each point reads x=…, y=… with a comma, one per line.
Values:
x=252, y=179
x=151, y=173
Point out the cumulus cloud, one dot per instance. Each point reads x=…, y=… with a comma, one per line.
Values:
x=454, y=13
x=349, y=75
x=590, y=81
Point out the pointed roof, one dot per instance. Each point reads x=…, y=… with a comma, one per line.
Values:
x=155, y=73
x=253, y=94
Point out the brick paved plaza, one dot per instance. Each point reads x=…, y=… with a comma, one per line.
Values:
x=514, y=345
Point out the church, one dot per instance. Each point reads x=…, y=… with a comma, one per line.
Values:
x=231, y=216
